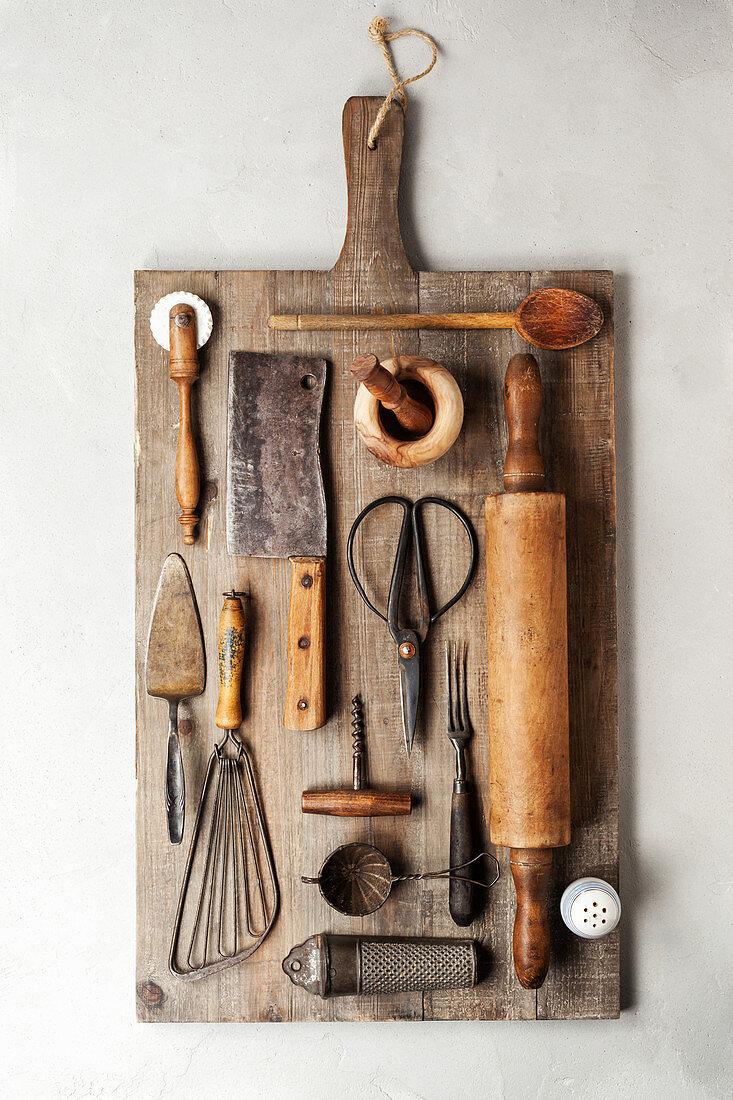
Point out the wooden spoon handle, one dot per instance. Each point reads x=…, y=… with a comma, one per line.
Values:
x=184, y=370
x=531, y=873
x=412, y=414
x=524, y=470
x=386, y=322
x=231, y=660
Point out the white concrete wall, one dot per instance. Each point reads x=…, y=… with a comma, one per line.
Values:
x=154, y=134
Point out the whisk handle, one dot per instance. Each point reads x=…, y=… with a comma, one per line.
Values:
x=231, y=660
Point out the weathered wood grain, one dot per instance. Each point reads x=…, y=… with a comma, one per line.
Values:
x=577, y=439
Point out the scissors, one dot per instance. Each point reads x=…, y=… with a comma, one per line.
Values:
x=408, y=641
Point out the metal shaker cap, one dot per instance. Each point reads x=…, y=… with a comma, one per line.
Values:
x=590, y=907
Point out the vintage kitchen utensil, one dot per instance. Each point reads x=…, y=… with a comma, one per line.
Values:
x=415, y=416
x=276, y=507
x=381, y=432
x=175, y=670
x=458, y=723
x=372, y=273
x=526, y=601
x=229, y=895
x=358, y=800
x=182, y=322
x=590, y=907
x=552, y=318
x=408, y=641
x=356, y=879
x=340, y=966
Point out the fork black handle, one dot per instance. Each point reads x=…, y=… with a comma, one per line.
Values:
x=460, y=892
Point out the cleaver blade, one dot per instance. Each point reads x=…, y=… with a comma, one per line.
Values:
x=276, y=505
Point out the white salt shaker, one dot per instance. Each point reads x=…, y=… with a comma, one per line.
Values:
x=590, y=908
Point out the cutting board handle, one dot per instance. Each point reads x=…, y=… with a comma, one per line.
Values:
x=373, y=184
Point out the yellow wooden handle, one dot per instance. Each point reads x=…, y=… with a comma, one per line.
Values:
x=305, y=705
x=231, y=660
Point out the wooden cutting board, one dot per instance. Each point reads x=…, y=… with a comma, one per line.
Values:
x=373, y=273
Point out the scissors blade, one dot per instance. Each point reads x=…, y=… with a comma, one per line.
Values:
x=408, y=652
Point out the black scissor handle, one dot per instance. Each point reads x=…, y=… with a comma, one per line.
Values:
x=398, y=570
x=417, y=535
x=411, y=527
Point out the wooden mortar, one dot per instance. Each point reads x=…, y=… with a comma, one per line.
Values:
x=447, y=401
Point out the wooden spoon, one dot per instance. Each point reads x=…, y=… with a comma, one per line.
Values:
x=551, y=318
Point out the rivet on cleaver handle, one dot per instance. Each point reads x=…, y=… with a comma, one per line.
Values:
x=276, y=506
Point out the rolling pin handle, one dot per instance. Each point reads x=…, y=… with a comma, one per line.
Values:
x=524, y=470
x=531, y=873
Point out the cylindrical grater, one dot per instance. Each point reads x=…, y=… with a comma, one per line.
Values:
x=340, y=966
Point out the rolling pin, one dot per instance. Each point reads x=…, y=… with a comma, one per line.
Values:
x=526, y=599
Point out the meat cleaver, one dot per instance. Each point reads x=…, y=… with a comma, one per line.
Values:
x=276, y=506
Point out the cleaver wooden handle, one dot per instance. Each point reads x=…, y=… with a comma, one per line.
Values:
x=305, y=705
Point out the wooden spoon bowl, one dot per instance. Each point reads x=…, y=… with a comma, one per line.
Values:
x=554, y=318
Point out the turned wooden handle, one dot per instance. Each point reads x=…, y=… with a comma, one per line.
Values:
x=524, y=470
x=231, y=660
x=348, y=803
x=531, y=873
x=305, y=704
x=184, y=370
x=414, y=416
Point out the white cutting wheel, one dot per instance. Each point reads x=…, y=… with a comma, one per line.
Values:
x=160, y=317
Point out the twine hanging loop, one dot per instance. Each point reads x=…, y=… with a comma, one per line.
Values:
x=378, y=29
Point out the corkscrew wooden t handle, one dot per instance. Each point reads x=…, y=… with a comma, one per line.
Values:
x=184, y=371
x=231, y=660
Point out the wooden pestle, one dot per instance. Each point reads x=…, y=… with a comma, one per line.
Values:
x=526, y=595
x=184, y=370
x=414, y=416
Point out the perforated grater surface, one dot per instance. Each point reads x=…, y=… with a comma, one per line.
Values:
x=339, y=966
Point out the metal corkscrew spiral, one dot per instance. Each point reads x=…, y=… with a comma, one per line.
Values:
x=357, y=724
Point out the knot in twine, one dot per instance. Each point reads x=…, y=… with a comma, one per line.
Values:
x=378, y=33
